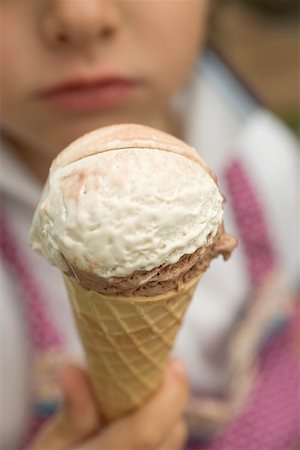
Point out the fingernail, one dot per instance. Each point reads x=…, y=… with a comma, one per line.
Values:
x=178, y=368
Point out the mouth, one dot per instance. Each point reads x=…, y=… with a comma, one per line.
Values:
x=90, y=95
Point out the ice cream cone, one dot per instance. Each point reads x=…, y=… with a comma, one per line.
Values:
x=127, y=341
x=132, y=217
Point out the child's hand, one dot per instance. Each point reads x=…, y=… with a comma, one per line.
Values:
x=158, y=425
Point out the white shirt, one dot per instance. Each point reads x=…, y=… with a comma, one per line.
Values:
x=221, y=120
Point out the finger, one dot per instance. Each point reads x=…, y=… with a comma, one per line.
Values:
x=147, y=427
x=163, y=410
x=79, y=399
x=177, y=437
x=77, y=418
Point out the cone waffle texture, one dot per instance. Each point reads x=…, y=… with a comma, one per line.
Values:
x=127, y=341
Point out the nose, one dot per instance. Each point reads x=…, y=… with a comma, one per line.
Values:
x=79, y=22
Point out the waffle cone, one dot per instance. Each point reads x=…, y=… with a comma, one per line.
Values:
x=127, y=341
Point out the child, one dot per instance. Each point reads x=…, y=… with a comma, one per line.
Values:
x=70, y=66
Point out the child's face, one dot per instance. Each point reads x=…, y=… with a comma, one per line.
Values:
x=69, y=66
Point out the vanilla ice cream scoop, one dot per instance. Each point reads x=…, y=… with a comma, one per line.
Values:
x=126, y=198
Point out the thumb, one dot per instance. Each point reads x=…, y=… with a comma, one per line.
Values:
x=78, y=417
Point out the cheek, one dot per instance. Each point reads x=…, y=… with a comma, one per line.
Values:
x=17, y=73
x=9, y=69
x=14, y=104
x=172, y=34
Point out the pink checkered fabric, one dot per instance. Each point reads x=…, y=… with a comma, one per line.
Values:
x=251, y=222
x=271, y=419
x=42, y=330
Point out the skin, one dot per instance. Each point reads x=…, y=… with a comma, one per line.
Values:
x=156, y=426
x=44, y=43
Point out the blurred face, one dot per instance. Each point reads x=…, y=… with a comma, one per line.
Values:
x=69, y=66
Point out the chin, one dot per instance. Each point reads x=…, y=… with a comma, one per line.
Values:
x=66, y=135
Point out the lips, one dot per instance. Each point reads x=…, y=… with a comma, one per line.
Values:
x=91, y=95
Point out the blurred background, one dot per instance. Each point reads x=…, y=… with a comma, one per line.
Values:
x=260, y=39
